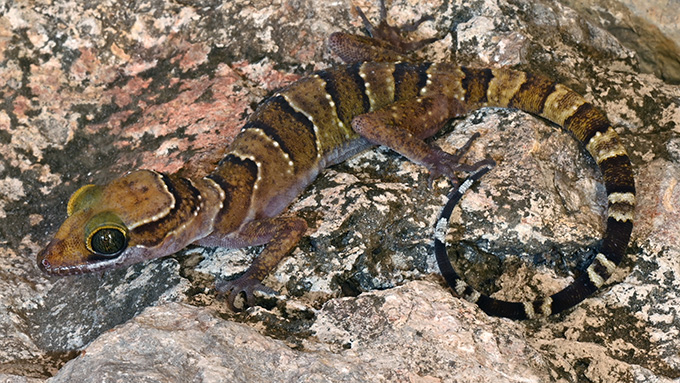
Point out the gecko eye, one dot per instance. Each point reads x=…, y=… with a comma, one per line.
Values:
x=108, y=241
x=106, y=235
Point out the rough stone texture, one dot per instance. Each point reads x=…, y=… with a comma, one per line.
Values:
x=93, y=89
x=650, y=28
x=417, y=332
x=665, y=14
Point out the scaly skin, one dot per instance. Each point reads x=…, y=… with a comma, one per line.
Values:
x=377, y=99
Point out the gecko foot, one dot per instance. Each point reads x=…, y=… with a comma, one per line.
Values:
x=441, y=163
x=242, y=289
x=392, y=34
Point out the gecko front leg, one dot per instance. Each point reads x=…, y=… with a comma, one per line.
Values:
x=280, y=234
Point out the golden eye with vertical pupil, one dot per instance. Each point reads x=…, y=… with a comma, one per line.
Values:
x=106, y=235
x=108, y=241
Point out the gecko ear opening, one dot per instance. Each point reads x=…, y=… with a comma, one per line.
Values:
x=83, y=198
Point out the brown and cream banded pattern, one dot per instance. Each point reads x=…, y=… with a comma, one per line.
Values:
x=316, y=122
x=559, y=104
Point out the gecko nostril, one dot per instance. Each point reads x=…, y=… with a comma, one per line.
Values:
x=44, y=264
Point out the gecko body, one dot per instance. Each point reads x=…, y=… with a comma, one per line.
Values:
x=378, y=98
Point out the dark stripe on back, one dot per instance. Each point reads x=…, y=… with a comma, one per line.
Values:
x=250, y=165
x=285, y=107
x=272, y=133
x=532, y=94
x=332, y=90
x=421, y=71
x=617, y=173
x=348, y=91
x=476, y=84
x=586, y=121
x=400, y=72
x=171, y=188
x=195, y=193
x=226, y=187
x=361, y=85
x=186, y=203
x=409, y=79
x=236, y=176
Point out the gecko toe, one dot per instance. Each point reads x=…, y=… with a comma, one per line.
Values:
x=241, y=293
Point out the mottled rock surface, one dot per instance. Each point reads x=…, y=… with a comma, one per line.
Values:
x=417, y=332
x=91, y=90
x=650, y=28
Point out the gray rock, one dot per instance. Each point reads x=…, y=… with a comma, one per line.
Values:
x=417, y=332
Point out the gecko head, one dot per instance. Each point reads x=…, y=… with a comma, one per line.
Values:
x=109, y=226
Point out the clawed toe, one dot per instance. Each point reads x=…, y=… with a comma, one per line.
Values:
x=392, y=34
x=441, y=163
x=240, y=293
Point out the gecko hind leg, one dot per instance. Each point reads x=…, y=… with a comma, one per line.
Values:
x=445, y=164
x=385, y=42
x=392, y=34
x=404, y=125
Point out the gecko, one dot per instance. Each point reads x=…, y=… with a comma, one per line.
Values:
x=379, y=96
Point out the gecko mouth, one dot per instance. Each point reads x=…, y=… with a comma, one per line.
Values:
x=46, y=263
x=48, y=268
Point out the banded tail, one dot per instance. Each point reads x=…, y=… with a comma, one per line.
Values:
x=559, y=104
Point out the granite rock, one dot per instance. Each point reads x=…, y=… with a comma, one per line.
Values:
x=414, y=333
